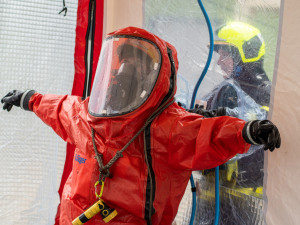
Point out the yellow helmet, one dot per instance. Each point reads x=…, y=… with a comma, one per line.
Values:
x=246, y=38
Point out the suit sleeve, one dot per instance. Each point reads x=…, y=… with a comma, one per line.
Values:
x=197, y=143
x=57, y=111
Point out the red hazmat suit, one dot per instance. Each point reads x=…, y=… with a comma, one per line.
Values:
x=148, y=182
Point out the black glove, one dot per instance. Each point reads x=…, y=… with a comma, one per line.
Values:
x=199, y=109
x=13, y=98
x=262, y=132
x=17, y=98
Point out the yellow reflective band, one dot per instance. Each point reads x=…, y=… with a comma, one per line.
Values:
x=232, y=167
x=235, y=191
x=265, y=108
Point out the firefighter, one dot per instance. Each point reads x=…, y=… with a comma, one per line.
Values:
x=241, y=50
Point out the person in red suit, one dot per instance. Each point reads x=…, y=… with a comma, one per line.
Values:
x=132, y=138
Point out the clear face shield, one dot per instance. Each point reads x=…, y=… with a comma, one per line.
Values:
x=127, y=71
x=225, y=60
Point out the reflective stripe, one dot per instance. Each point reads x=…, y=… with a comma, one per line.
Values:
x=249, y=135
x=22, y=99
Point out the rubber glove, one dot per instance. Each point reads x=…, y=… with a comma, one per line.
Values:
x=262, y=132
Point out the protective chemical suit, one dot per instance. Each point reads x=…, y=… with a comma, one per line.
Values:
x=133, y=104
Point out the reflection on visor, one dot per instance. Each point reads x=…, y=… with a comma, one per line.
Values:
x=127, y=70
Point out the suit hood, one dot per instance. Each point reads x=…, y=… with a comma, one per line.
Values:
x=121, y=128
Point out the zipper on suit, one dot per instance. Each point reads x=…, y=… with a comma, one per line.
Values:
x=150, y=181
x=89, y=49
x=149, y=209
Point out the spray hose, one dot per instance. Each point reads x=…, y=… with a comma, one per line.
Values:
x=217, y=194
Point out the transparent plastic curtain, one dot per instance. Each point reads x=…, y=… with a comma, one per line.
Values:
x=36, y=52
x=182, y=24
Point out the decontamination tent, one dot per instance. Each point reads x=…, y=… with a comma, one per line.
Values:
x=52, y=53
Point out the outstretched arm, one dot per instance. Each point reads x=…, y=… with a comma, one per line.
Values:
x=197, y=143
x=56, y=111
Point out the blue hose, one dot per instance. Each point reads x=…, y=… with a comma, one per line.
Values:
x=194, y=200
x=217, y=197
x=211, y=48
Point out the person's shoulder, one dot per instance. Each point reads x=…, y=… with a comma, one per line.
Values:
x=260, y=74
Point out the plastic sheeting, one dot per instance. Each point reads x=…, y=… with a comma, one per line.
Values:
x=36, y=52
x=183, y=25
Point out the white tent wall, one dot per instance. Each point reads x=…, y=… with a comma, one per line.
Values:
x=283, y=170
x=119, y=14
x=36, y=52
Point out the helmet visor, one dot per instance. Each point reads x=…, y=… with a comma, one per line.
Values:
x=225, y=60
x=127, y=71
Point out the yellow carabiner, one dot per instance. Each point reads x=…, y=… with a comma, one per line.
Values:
x=101, y=191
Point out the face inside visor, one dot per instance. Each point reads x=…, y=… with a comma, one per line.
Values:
x=226, y=58
x=225, y=61
x=127, y=71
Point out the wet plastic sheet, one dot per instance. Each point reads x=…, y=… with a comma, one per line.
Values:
x=36, y=52
x=183, y=25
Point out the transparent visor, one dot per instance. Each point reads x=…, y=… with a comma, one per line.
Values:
x=127, y=71
x=225, y=59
